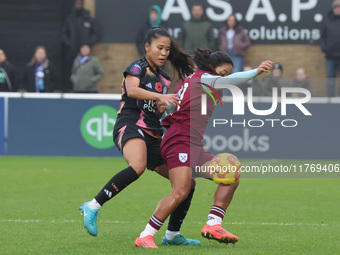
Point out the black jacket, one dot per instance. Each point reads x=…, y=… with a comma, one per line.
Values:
x=79, y=29
x=330, y=36
x=9, y=82
x=50, y=79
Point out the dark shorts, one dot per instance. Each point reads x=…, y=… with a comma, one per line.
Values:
x=129, y=131
x=178, y=151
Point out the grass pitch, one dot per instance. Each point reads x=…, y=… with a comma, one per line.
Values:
x=40, y=197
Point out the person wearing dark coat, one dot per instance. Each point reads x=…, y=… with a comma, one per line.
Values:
x=39, y=75
x=7, y=74
x=233, y=39
x=79, y=29
x=301, y=80
x=330, y=45
x=197, y=32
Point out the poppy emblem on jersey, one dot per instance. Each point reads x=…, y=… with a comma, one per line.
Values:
x=183, y=157
x=158, y=86
x=209, y=93
x=136, y=69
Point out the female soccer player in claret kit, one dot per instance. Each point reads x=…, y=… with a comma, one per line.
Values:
x=186, y=126
x=137, y=132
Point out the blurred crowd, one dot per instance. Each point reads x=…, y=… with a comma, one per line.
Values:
x=83, y=70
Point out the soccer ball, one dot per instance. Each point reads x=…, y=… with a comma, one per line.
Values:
x=225, y=169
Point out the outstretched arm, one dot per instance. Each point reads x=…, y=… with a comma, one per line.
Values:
x=238, y=78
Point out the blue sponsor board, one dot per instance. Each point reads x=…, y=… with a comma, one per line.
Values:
x=2, y=126
x=79, y=127
x=291, y=136
x=61, y=127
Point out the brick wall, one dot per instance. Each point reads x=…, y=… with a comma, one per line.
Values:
x=115, y=58
x=292, y=57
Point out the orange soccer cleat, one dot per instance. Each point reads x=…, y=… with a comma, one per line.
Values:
x=218, y=233
x=145, y=242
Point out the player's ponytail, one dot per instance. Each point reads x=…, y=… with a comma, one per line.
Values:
x=207, y=60
x=180, y=60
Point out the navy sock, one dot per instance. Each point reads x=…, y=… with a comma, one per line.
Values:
x=178, y=215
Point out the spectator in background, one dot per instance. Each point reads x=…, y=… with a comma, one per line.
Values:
x=198, y=31
x=275, y=80
x=253, y=83
x=154, y=20
x=330, y=45
x=79, y=29
x=7, y=76
x=39, y=75
x=86, y=71
x=233, y=39
x=301, y=80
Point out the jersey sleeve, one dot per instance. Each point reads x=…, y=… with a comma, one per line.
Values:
x=236, y=79
x=134, y=69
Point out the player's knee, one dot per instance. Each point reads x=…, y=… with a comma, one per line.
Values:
x=139, y=167
x=181, y=195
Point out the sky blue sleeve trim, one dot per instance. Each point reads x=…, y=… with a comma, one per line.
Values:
x=235, y=79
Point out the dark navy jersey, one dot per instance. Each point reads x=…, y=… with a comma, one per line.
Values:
x=143, y=112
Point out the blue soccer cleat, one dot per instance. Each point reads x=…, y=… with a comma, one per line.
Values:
x=180, y=240
x=90, y=218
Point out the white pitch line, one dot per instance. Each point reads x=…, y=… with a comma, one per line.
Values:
x=60, y=221
x=201, y=223
x=279, y=224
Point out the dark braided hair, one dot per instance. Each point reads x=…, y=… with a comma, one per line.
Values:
x=207, y=60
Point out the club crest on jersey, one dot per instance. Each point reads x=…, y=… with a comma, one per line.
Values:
x=136, y=69
x=183, y=157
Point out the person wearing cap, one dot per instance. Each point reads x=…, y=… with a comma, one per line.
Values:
x=330, y=45
x=275, y=80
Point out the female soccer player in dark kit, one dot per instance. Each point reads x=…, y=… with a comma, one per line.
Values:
x=138, y=132
x=186, y=126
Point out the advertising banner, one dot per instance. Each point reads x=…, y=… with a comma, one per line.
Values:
x=267, y=21
x=61, y=127
x=253, y=130
x=294, y=136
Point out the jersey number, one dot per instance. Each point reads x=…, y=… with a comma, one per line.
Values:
x=185, y=86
